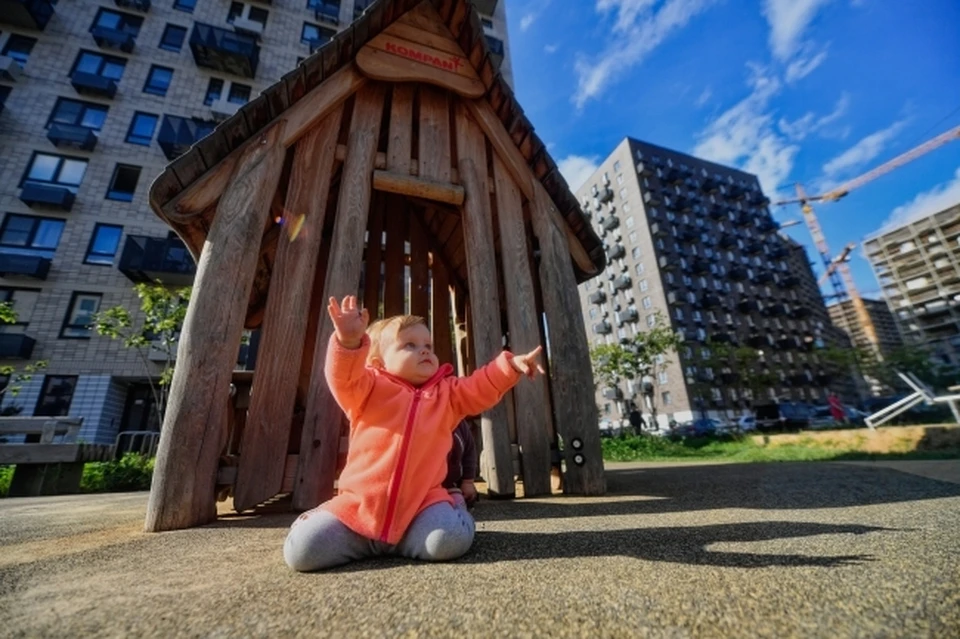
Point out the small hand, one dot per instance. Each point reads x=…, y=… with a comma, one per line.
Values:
x=349, y=322
x=527, y=364
x=469, y=491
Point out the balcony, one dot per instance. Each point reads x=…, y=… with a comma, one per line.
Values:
x=666, y=263
x=597, y=297
x=743, y=219
x=10, y=69
x=603, y=328
x=148, y=259
x=709, y=185
x=178, y=134
x=748, y=306
x=777, y=252
x=717, y=213
x=644, y=169
x=605, y=195
x=727, y=240
x=723, y=337
x=249, y=27
x=93, y=84
x=800, y=312
x=24, y=265
x=33, y=194
x=682, y=204
x=709, y=300
x=225, y=51
x=735, y=192
x=139, y=5
x=627, y=316
x=616, y=252
x=764, y=277
x=729, y=378
x=611, y=223
x=672, y=176
x=107, y=38
x=790, y=281
x=651, y=198
x=757, y=198
x=775, y=310
x=614, y=393
x=757, y=340
x=70, y=135
x=768, y=225
x=26, y=14
x=223, y=109
x=752, y=248
x=16, y=346
x=699, y=265
x=328, y=13
x=622, y=283
x=659, y=229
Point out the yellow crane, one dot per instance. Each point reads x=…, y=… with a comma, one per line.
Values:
x=838, y=270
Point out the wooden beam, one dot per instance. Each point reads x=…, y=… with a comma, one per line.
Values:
x=424, y=188
x=482, y=277
x=321, y=428
x=532, y=414
x=195, y=427
x=267, y=430
x=419, y=268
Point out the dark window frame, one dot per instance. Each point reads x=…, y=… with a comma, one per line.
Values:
x=19, y=54
x=104, y=59
x=185, y=5
x=326, y=34
x=45, y=390
x=65, y=326
x=212, y=95
x=73, y=187
x=85, y=105
x=245, y=91
x=139, y=140
x=112, y=192
x=129, y=24
x=93, y=239
x=32, y=235
x=164, y=37
x=153, y=89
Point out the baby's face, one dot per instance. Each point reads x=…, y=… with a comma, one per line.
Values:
x=409, y=355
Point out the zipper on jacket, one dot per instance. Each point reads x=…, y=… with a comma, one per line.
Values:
x=398, y=473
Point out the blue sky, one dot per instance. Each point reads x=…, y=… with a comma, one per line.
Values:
x=816, y=91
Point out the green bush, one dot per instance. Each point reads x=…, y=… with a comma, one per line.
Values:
x=6, y=476
x=129, y=473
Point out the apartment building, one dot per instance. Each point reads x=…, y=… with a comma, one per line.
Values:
x=694, y=242
x=844, y=317
x=96, y=98
x=918, y=268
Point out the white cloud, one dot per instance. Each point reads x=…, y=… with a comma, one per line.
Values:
x=810, y=123
x=704, y=97
x=551, y=48
x=533, y=14
x=575, y=169
x=788, y=19
x=805, y=63
x=527, y=20
x=938, y=198
x=863, y=151
x=640, y=28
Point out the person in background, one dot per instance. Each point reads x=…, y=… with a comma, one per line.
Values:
x=462, y=464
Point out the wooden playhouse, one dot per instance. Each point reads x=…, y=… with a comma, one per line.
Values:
x=394, y=164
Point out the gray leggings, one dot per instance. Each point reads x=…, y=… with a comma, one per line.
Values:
x=317, y=540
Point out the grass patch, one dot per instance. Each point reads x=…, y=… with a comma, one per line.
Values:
x=131, y=472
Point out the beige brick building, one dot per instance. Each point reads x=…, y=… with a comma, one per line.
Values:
x=844, y=316
x=97, y=96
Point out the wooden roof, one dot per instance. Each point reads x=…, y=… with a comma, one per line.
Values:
x=463, y=21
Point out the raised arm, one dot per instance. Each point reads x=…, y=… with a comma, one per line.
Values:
x=480, y=391
x=345, y=368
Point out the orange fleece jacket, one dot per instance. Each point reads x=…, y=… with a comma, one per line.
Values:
x=400, y=436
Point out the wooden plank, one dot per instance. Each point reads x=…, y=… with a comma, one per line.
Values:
x=434, y=137
x=35, y=425
x=194, y=430
x=394, y=59
x=425, y=188
x=374, y=259
x=45, y=453
x=419, y=269
x=411, y=33
x=260, y=471
x=400, y=139
x=321, y=428
x=440, y=312
x=532, y=417
x=394, y=281
x=425, y=18
x=575, y=408
x=482, y=277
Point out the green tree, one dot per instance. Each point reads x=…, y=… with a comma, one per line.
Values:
x=883, y=371
x=742, y=368
x=156, y=328
x=17, y=377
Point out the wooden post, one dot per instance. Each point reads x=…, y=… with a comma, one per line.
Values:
x=570, y=370
x=531, y=411
x=320, y=442
x=484, y=297
x=419, y=268
x=183, y=490
x=374, y=260
x=260, y=473
x=440, y=312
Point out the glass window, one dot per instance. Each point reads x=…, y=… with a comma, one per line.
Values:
x=173, y=38
x=359, y=6
x=142, y=128
x=185, y=5
x=644, y=285
x=57, y=170
x=105, y=66
x=662, y=377
x=214, y=89
x=80, y=314
x=77, y=113
x=56, y=396
x=315, y=35
x=616, y=165
x=665, y=396
x=630, y=222
x=18, y=47
x=123, y=184
x=651, y=320
x=235, y=11
x=632, y=237
x=103, y=244
x=639, y=268
x=239, y=93
x=647, y=302
x=158, y=80
x=109, y=19
x=636, y=253
x=258, y=14
x=29, y=235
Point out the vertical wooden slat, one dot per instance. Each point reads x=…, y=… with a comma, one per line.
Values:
x=374, y=261
x=531, y=411
x=434, y=136
x=419, y=269
x=260, y=474
x=393, y=275
x=195, y=426
x=575, y=408
x=484, y=296
x=317, y=462
x=440, y=313
x=400, y=141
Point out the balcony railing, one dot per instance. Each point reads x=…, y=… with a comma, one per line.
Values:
x=629, y=315
x=597, y=297
x=26, y=265
x=107, y=38
x=71, y=135
x=666, y=263
x=611, y=223
x=622, y=283
x=652, y=198
x=613, y=393
x=93, y=84
x=747, y=306
x=644, y=169
x=26, y=14
x=33, y=194
x=16, y=346
x=709, y=301
x=615, y=252
x=148, y=259
x=178, y=134
x=603, y=328
x=223, y=50
x=139, y=5
x=327, y=12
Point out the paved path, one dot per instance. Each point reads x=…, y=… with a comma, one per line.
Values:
x=768, y=550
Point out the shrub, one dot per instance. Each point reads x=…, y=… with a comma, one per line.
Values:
x=129, y=473
x=6, y=476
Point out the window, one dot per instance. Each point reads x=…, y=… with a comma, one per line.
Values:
x=647, y=302
x=173, y=38
x=632, y=237
x=55, y=170
x=77, y=113
x=239, y=93
x=636, y=252
x=629, y=222
x=29, y=235
x=142, y=128
x=593, y=313
x=23, y=301
x=256, y=14
x=105, y=66
x=18, y=47
x=56, y=395
x=665, y=397
x=616, y=166
x=662, y=377
x=116, y=21
x=315, y=35
x=644, y=285
x=123, y=184
x=80, y=314
x=326, y=10
x=185, y=5
x=103, y=244
x=639, y=268
x=158, y=80
x=623, y=193
x=214, y=90
x=651, y=320
x=619, y=177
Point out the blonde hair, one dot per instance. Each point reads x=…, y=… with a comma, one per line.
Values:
x=390, y=326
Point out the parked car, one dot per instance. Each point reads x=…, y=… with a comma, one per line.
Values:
x=783, y=416
x=697, y=428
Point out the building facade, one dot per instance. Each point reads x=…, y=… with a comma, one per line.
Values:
x=844, y=317
x=918, y=268
x=97, y=97
x=694, y=242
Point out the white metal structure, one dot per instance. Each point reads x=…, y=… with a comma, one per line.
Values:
x=922, y=394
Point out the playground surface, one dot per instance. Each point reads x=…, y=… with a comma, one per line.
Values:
x=674, y=550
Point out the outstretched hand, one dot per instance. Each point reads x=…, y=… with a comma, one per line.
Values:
x=349, y=322
x=528, y=364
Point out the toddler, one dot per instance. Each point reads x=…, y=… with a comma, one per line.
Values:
x=403, y=407
x=462, y=465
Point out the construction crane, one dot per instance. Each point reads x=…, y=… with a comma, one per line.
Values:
x=838, y=270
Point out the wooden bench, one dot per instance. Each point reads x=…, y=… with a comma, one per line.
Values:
x=47, y=467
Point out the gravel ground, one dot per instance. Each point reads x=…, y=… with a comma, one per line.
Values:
x=678, y=550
